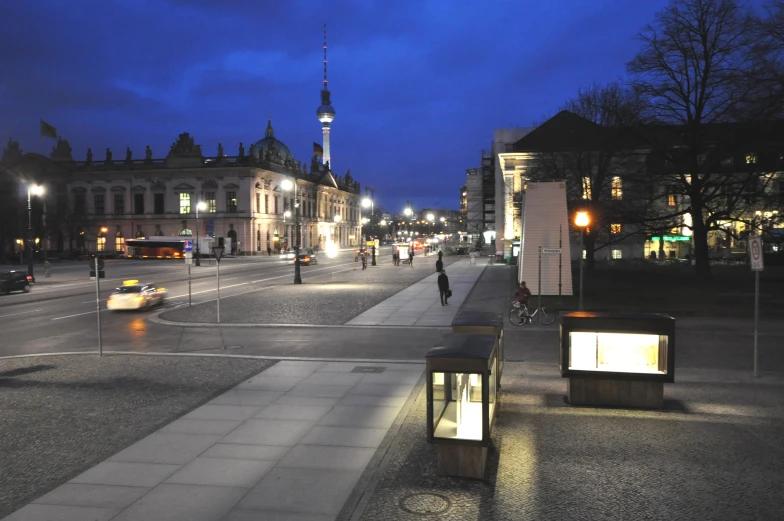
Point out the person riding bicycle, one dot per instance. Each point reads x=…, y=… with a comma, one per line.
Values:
x=522, y=294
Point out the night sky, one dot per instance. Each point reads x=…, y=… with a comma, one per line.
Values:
x=418, y=86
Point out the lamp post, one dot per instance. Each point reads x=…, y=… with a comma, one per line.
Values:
x=201, y=205
x=581, y=220
x=31, y=190
x=288, y=185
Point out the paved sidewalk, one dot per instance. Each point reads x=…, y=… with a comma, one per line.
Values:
x=290, y=443
x=419, y=304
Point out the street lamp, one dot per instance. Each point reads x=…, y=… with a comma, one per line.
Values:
x=288, y=185
x=201, y=205
x=31, y=190
x=581, y=220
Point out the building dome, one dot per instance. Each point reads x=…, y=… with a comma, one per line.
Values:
x=280, y=152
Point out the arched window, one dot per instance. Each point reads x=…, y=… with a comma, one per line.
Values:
x=186, y=231
x=119, y=242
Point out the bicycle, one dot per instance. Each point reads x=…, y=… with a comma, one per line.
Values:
x=520, y=315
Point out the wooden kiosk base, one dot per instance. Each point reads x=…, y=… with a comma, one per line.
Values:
x=462, y=461
x=614, y=393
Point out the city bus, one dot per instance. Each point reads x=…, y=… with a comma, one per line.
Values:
x=157, y=247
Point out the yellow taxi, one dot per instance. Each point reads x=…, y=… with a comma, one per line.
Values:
x=135, y=295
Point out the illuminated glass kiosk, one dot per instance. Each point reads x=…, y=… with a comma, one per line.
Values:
x=617, y=359
x=461, y=402
x=483, y=323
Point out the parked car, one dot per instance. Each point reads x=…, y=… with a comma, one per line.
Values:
x=14, y=281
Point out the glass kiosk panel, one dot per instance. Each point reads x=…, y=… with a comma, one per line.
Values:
x=457, y=406
x=618, y=352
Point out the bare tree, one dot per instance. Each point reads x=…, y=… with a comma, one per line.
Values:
x=697, y=70
x=597, y=162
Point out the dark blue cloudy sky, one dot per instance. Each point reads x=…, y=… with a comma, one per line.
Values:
x=418, y=86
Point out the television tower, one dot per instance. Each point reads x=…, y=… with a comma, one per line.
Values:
x=325, y=112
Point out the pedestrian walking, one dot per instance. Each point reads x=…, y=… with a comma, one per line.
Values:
x=443, y=288
x=472, y=258
x=411, y=257
x=364, y=261
x=47, y=268
x=439, y=265
x=269, y=251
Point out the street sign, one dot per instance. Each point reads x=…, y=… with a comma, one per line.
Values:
x=188, y=246
x=551, y=250
x=755, y=253
x=188, y=257
x=218, y=252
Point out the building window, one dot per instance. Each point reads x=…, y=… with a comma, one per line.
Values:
x=158, y=204
x=276, y=205
x=266, y=203
x=185, y=202
x=258, y=203
x=138, y=204
x=99, y=204
x=617, y=188
x=751, y=158
x=586, y=187
x=615, y=228
x=616, y=254
x=100, y=242
x=119, y=242
x=671, y=196
x=212, y=207
x=186, y=232
x=231, y=202
x=79, y=204
x=119, y=204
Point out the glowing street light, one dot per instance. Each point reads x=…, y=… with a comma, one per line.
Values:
x=200, y=206
x=39, y=191
x=582, y=220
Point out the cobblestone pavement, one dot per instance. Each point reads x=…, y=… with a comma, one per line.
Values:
x=715, y=453
x=63, y=414
x=329, y=300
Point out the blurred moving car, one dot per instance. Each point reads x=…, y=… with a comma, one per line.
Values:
x=306, y=259
x=14, y=281
x=133, y=295
x=287, y=255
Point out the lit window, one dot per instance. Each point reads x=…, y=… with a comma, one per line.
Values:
x=617, y=188
x=186, y=232
x=586, y=187
x=185, y=202
x=211, y=206
x=616, y=254
x=100, y=243
x=615, y=228
x=585, y=255
x=671, y=199
x=751, y=159
x=119, y=242
x=231, y=201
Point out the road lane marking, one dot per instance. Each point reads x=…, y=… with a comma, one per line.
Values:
x=76, y=315
x=21, y=313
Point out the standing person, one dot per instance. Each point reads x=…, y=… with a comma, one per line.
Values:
x=439, y=265
x=394, y=257
x=269, y=251
x=47, y=268
x=411, y=257
x=472, y=258
x=443, y=288
x=364, y=261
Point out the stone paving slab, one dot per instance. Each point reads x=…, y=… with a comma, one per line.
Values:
x=420, y=304
x=65, y=414
x=280, y=445
x=553, y=461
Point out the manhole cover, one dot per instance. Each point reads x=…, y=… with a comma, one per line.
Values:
x=368, y=369
x=424, y=504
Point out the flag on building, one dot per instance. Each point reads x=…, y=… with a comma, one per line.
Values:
x=48, y=130
x=317, y=150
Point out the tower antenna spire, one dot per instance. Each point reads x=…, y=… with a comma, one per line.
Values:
x=325, y=56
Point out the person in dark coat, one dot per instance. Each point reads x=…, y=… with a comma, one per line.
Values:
x=439, y=265
x=443, y=287
x=411, y=257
